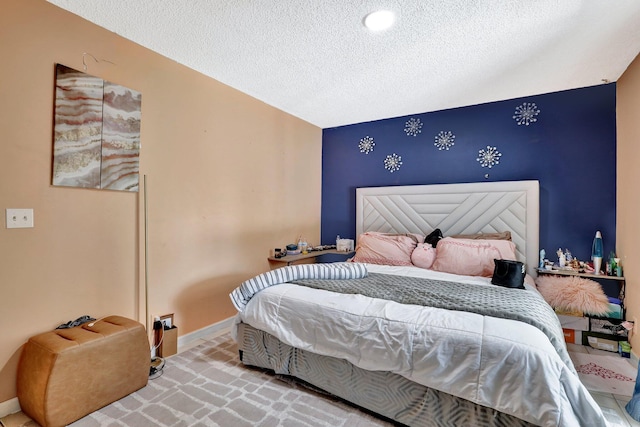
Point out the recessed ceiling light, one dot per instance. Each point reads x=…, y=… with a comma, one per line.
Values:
x=379, y=20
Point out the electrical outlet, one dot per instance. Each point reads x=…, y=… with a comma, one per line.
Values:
x=19, y=218
x=166, y=320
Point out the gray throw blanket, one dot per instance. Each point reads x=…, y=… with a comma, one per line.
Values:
x=495, y=301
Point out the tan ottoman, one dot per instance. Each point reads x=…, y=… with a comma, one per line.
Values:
x=66, y=374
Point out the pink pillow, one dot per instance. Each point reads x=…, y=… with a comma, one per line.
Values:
x=423, y=255
x=470, y=257
x=380, y=248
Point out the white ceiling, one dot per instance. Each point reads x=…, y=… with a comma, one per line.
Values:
x=315, y=60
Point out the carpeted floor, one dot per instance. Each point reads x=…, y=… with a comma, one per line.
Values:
x=605, y=374
x=208, y=386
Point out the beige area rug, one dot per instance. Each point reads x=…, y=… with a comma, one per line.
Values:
x=209, y=386
x=606, y=374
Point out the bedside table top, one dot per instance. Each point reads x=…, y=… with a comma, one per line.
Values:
x=576, y=273
x=312, y=254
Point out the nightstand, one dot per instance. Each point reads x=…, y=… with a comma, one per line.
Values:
x=596, y=331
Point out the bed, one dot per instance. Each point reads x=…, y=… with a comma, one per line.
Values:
x=477, y=354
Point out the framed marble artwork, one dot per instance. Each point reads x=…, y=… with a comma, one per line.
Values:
x=96, y=136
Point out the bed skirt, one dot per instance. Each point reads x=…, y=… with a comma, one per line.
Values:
x=384, y=393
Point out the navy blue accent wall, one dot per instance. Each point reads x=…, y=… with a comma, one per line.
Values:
x=570, y=149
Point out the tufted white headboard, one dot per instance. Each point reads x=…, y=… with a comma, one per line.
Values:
x=481, y=207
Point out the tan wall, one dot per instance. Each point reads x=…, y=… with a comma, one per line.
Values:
x=228, y=178
x=628, y=193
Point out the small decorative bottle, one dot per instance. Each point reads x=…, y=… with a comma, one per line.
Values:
x=618, y=271
x=562, y=260
x=611, y=269
x=567, y=256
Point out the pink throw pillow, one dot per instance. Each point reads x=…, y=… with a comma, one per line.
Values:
x=423, y=255
x=380, y=248
x=470, y=257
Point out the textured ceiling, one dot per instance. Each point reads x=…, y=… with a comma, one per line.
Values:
x=315, y=59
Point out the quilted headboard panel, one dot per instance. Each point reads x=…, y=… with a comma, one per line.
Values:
x=483, y=207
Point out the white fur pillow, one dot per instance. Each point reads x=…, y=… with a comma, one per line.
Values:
x=573, y=294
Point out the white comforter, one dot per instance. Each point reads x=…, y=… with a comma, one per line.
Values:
x=504, y=364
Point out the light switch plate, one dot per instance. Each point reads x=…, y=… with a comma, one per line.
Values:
x=19, y=218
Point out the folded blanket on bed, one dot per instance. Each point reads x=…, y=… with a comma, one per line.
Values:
x=336, y=271
x=515, y=304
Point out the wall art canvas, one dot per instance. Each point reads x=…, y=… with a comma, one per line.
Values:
x=96, y=142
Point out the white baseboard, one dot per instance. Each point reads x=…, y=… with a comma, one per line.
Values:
x=218, y=328
x=8, y=407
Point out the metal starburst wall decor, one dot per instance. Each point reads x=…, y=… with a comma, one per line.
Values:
x=413, y=127
x=526, y=113
x=366, y=145
x=489, y=157
x=444, y=140
x=392, y=162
